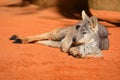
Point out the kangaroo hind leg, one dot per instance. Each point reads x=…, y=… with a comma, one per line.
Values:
x=57, y=34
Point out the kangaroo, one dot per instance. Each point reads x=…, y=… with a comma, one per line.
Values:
x=85, y=39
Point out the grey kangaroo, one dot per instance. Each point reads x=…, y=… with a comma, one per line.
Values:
x=85, y=39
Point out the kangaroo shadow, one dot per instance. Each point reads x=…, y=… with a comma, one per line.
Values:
x=68, y=8
x=73, y=8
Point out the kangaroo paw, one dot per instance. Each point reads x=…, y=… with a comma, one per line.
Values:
x=13, y=37
x=75, y=53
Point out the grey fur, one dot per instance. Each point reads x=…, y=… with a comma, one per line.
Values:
x=85, y=39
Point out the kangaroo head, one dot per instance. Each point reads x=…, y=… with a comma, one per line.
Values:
x=87, y=28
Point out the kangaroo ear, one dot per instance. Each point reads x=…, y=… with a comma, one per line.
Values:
x=94, y=23
x=84, y=16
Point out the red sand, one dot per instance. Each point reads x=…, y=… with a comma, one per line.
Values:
x=39, y=62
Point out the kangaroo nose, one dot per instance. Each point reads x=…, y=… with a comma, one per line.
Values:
x=84, y=32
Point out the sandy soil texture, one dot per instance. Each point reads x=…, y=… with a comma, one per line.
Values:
x=39, y=62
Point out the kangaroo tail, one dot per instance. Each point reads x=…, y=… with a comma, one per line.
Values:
x=56, y=44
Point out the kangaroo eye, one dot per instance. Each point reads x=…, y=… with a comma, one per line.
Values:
x=78, y=26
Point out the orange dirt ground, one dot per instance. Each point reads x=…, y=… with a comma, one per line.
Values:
x=39, y=62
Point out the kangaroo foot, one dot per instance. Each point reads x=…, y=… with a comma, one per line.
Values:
x=17, y=39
